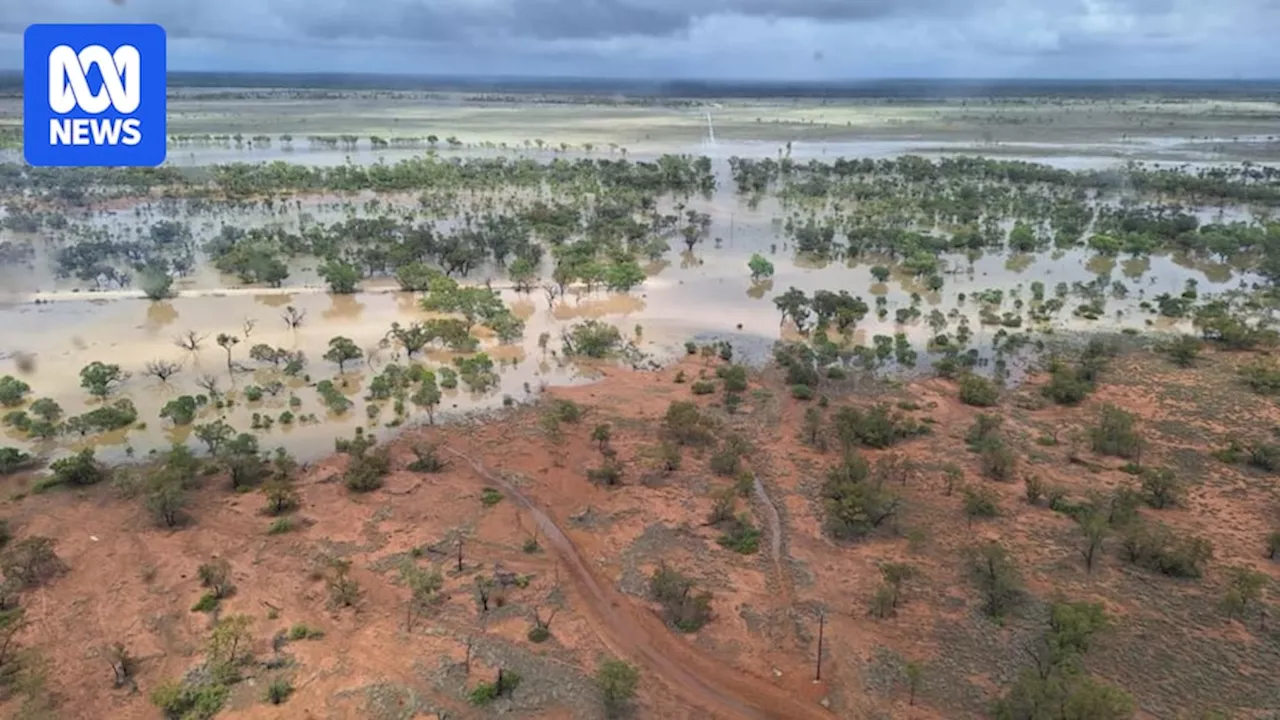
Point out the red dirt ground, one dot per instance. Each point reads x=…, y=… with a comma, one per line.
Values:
x=130, y=582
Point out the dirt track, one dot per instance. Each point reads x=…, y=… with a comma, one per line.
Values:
x=638, y=634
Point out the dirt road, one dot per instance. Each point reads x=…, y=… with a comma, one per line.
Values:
x=635, y=633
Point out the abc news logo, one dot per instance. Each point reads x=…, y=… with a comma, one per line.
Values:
x=94, y=95
x=69, y=89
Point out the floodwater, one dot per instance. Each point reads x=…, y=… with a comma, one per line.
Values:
x=704, y=293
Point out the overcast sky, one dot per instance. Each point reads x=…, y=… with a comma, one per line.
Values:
x=740, y=39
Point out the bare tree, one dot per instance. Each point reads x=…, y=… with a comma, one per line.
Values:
x=122, y=664
x=162, y=370
x=209, y=384
x=293, y=317
x=190, y=341
x=249, y=325
x=541, y=630
x=552, y=292
x=227, y=342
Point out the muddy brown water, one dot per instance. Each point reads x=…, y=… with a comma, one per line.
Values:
x=704, y=293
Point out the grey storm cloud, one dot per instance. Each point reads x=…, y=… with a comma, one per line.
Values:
x=452, y=20
x=791, y=38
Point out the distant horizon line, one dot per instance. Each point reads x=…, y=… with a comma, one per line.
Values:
x=499, y=77
x=890, y=88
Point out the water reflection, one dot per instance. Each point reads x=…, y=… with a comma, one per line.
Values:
x=759, y=288
x=343, y=307
x=160, y=314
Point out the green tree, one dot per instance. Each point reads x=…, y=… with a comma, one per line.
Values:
x=13, y=391
x=623, y=275
x=343, y=350
x=343, y=277
x=428, y=396
x=760, y=267
x=100, y=379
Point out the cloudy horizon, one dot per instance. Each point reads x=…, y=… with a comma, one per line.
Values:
x=779, y=40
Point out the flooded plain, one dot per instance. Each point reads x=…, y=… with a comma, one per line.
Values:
x=61, y=325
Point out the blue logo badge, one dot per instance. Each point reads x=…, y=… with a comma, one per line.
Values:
x=93, y=95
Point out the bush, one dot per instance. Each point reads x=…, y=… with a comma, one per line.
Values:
x=1161, y=488
x=877, y=427
x=734, y=377
x=278, y=691
x=998, y=459
x=685, y=424
x=12, y=460
x=741, y=536
x=79, y=470
x=490, y=497
x=1157, y=547
x=591, y=338
x=485, y=693
x=978, y=391
x=31, y=562
x=703, y=387
x=280, y=526
x=1116, y=434
x=1183, y=350
x=180, y=701
x=981, y=502
x=856, y=503
x=686, y=609
x=301, y=631
x=366, y=470
x=1262, y=376
x=609, y=473
x=617, y=682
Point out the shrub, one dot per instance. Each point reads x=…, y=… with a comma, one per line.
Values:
x=856, y=503
x=504, y=685
x=1157, y=547
x=996, y=576
x=427, y=459
x=366, y=470
x=981, y=502
x=1183, y=350
x=278, y=691
x=12, y=460
x=1262, y=376
x=609, y=473
x=617, y=683
x=31, y=562
x=801, y=392
x=280, y=526
x=685, y=424
x=591, y=338
x=685, y=608
x=181, y=701
x=998, y=459
x=703, y=387
x=79, y=470
x=490, y=497
x=734, y=377
x=741, y=536
x=1116, y=433
x=1161, y=488
x=978, y=391
x=301, y=631
x=875, y=427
